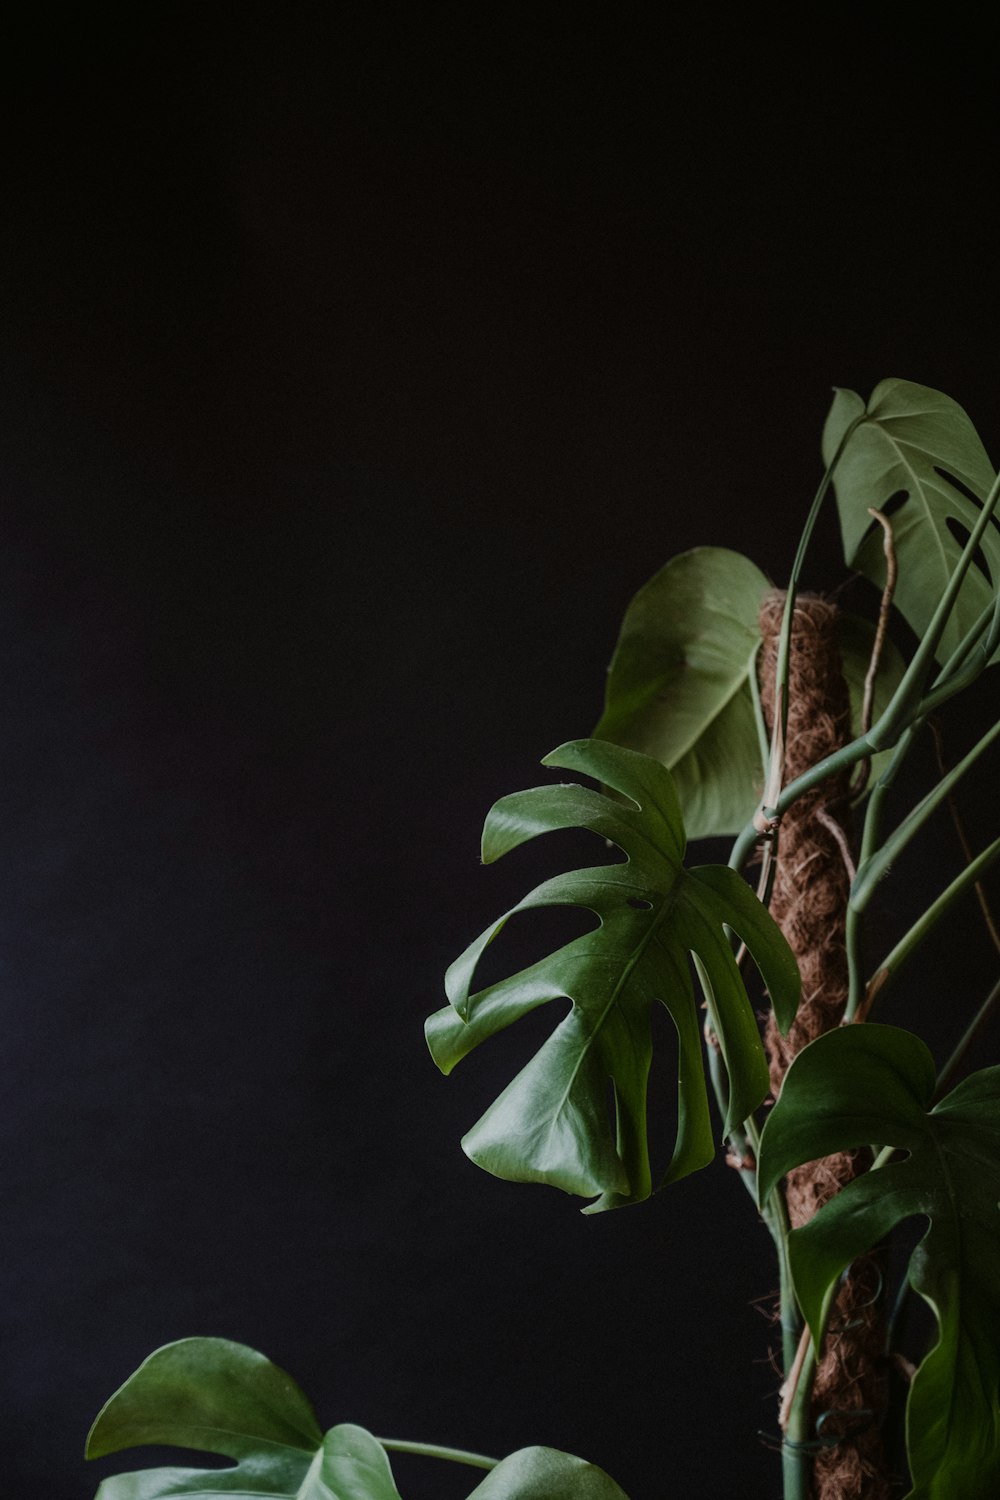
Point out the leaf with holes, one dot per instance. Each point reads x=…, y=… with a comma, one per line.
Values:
x=679, y=683
x=873, y=1084
x=916, y=443
x=221, y=1397
x=552, y=1123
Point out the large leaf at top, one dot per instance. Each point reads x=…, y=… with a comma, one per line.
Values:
x=678, y=686
x=221, y=1397
x=873, y=1084
x=546, y=1474
x=914, y=441
x=224, y=1398
x=552, y=1123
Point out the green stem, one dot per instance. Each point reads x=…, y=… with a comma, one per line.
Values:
x=818, y=498
x=978, y=1023
x=772, y=780
x=738, y=1139
x=958, y=671
x=871, y=870
x=906, y=707
x=900, y=708
x=796, y=1450
x=841, y=760
x=745, y=1142
x=855, y=972
x=791, y=1318
x=774, y=1212
x=433, y=1450
x=853, y=923
x=958, y=660
x=758, y=711
x=949, y=684
x=907, y=944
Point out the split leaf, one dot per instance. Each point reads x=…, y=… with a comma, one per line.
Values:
x=552, y=1123
x=916, y=443
x=873, y=1084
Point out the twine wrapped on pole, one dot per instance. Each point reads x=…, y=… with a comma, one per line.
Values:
x=809, y=903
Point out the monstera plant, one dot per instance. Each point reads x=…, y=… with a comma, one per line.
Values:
x=735, y=709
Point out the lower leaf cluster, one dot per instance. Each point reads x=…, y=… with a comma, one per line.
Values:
x=221, y=1397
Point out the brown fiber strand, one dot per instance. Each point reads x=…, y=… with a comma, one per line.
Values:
x=809, y=902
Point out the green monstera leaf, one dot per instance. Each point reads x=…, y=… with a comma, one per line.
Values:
x=873, y=1084
x=552, y=1123
x=546, y=1474
x=221, y=1397
x=914, y=442
x=678, y=686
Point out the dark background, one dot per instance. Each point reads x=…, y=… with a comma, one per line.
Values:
x=358, y=367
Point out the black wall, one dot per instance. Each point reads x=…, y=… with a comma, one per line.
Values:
x=358, y=366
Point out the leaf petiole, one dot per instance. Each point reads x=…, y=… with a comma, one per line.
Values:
x=434, y=1450
x=871, y=871
x=900, y=710
x=983, y=1016
x=907, y=944
x=796, y=1447
x=776, y=758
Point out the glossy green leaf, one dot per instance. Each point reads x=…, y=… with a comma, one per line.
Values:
x=678, y=687
x=546, y=1474
x=221, y=1397
x=916, y=441
x=678, y=684
x=224, y=1398
x=873, y=1084
x=552, y=1123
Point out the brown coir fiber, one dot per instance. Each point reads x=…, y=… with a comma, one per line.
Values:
x=809, y=902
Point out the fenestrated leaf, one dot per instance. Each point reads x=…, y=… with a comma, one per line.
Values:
x=872, y=1084
x=551, y=1123
x=221, y=1397
x=916, y=441
x=678, y=684
x=546, y=1474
